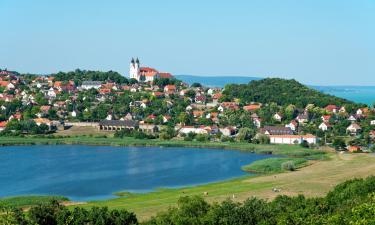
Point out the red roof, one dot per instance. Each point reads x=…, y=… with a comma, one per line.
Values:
x=251, y=107
x=165, y=75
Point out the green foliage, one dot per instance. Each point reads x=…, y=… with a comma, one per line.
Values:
x=280, y=91
x=83, y=75
x=273, y=165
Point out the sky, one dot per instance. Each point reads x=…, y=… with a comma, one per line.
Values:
x=314, y=41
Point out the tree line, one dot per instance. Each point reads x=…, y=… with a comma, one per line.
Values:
x=352, y=202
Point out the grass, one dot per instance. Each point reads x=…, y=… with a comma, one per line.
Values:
x=314, y=180
x=273, y=165
x=27, y=201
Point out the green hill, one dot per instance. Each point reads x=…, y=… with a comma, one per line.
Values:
x=280, y=91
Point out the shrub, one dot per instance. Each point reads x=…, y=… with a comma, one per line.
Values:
x=288, y=165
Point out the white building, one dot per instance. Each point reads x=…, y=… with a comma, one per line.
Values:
x=134, y=71
x=293, y=139
x=324, y=126
x=192, y=129
x=87, y=85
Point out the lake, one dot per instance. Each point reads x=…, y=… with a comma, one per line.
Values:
x=84, y=173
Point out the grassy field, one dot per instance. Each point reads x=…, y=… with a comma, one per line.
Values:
x=314, y=180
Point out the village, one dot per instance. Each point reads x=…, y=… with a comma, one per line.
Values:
x=153, y=104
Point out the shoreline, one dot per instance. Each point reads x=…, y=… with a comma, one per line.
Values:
x=290, y=151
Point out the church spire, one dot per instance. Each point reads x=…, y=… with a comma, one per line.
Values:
x=137, y=60
x=132, y=61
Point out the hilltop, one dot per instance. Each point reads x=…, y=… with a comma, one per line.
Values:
x=215, y=81
x=281, y=92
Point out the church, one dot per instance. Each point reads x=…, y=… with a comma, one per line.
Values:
x=145, y=74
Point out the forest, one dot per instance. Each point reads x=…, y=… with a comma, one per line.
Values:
x=282, y=92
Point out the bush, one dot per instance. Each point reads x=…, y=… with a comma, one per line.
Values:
x=289, y=166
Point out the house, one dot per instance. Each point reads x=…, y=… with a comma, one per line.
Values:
x=326, y=118
x=200, y=99
x=40, y=121
x=166, y=118
x=128, y=117
x=354, y=148
x=257, y=122
x=228, y=131
x=276, y=130
x=251, y=107
x=17, y=116
x=87, y=85
x=353, y=129
x=278, y=117
x=229, y=105
x=324, y=126
x=293, y=139
x=362, y=111
x=3, y=125
x=303, y=118
x=198, y=113
x=332, y=108
x=293, y=125
x=170, y=89
x=52, y=93
x=352, y=118
x=148, y=128
x=342, y=109
x=192, y=129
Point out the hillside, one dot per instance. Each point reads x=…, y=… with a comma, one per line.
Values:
x=282, y=92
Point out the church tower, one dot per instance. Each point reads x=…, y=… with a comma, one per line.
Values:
x=134, y=69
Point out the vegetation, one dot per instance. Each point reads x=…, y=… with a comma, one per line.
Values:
x=282, y=92
x=26, y=201
x=352, y=202
x=81, y=75
x=275, y=165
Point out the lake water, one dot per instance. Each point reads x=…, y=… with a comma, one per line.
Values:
x=95, y=172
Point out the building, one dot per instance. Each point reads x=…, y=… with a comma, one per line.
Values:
x=145, y=74
x=87, y=85
x=293, y=139
x=324, y=126
x=113, y=125
x=192, y=129
x=276, y=130
x=353, y=129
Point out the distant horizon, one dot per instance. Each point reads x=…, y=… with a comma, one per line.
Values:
x=197, y=75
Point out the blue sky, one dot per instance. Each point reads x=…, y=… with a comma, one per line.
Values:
x=316, y=42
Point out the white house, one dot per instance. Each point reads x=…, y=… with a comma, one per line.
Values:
x=87, y=85
x=293, y=125
x=324, y=126
x=372, y=122
x=278, y=117
x=353, y=129
x=293, y=139
x=257, y=122
x=192, y=129
x=51, y=93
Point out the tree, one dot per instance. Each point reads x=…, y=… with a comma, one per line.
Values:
x=245, y=134
x=339, y=144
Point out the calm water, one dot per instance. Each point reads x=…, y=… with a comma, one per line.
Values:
x=95, y=172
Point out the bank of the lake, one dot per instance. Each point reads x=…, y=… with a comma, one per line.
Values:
x=285, y=150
